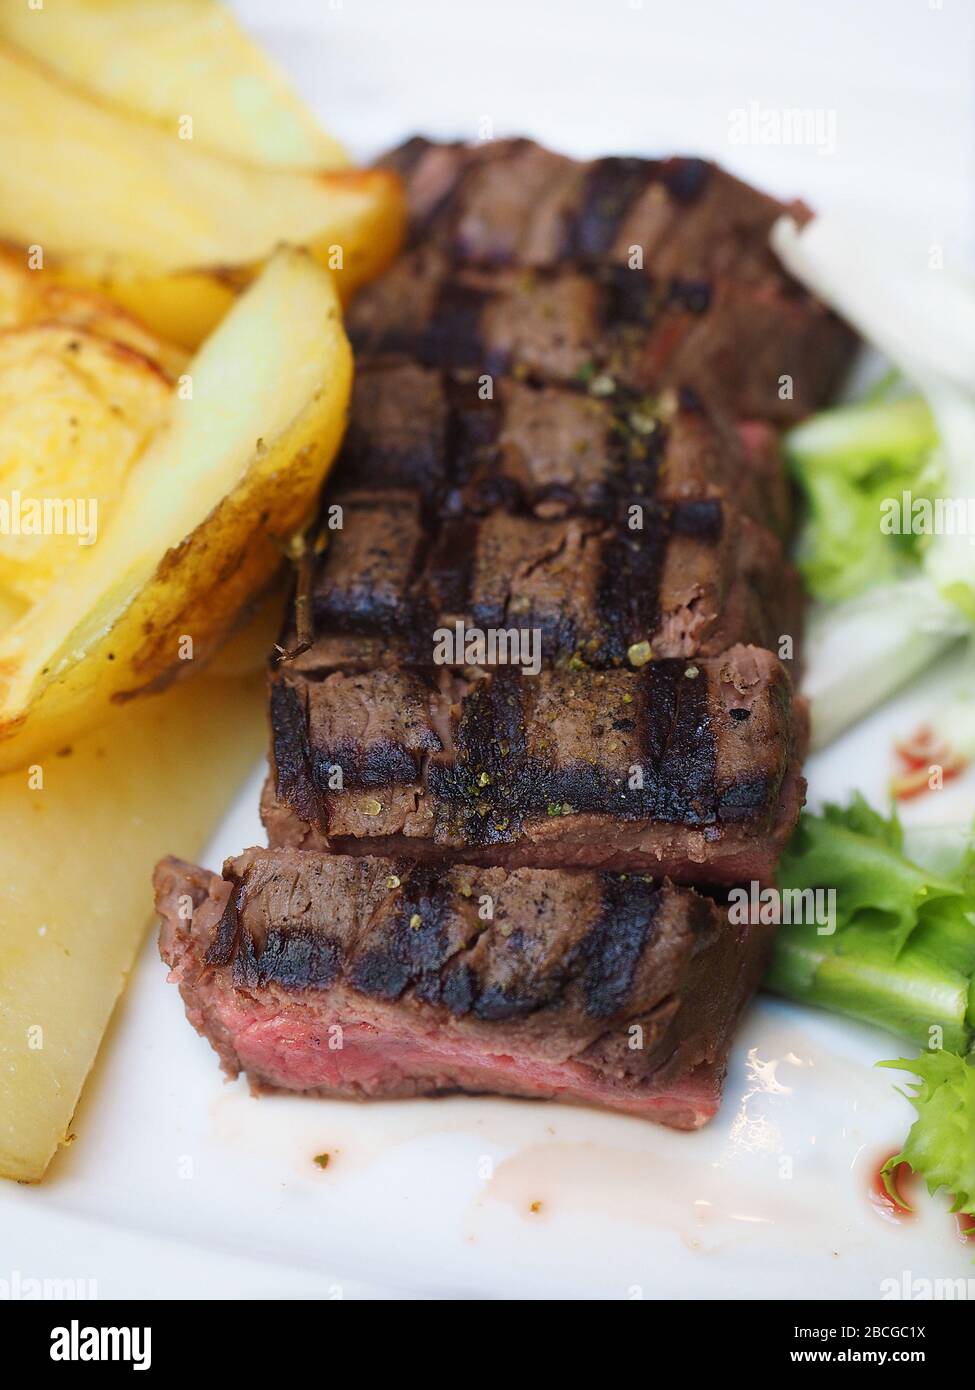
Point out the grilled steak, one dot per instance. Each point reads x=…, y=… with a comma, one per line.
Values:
x=751, y=350
x=682, y=769
x=654, y=271
x=551, y=451
x=370, y=977
x=512, y=202
x=693, y=579
x=527, y=685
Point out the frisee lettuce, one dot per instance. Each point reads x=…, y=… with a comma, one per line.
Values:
x=941, y=1144
x=902, y=954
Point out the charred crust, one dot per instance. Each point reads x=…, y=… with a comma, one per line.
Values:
x=686, y=179
x=226, y=939
x=414, y=944
x=609, y=188
x=292, y=956
x=290, y=750
x=681, y=744
x=613, y=948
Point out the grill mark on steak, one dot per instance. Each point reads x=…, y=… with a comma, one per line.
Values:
x=490, y=742
x=529, y=768
x=609, y=188
x=628, y=594
x=452, y=336
x=225, y=941
x=692, y=579
x=616, y=942
x=291, y=957
x=291, y=751
x=412, y=947
x=680, y=741
x=548, y=450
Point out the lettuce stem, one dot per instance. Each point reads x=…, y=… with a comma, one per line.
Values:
x=910, y=995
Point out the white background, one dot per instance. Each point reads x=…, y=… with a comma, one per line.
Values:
x=404, y=1207
x=600, y=76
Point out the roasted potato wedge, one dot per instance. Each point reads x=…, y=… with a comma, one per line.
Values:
x=202, y=522
x=83, y=386
x=158, y=223
x=76, y=412
x=31, y=297
x=169, y=59
x=183, y=306
x=81, y=834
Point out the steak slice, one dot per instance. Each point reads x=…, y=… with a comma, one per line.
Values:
x=372, y=978
x=680, y=769
x=513, y=202
x=551, y=451
x=689, y=578
x=754, y=350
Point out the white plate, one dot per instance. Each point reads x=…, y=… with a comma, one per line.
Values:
x=180, y=1185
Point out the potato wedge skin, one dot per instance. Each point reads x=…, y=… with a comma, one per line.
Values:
x=163, y=587
x=76, y=858
x=162, y=59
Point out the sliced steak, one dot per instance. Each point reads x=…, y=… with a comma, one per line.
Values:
x=754, y=350
x=689, y=770
x=686, y=286
x=373, y=978
x=513, y=202
x=688, y=578
x=551, y=450
x=562, y=430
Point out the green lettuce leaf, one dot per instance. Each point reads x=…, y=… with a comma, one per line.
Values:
x=902, y=954
x=848, y=461
x=940, y=1147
